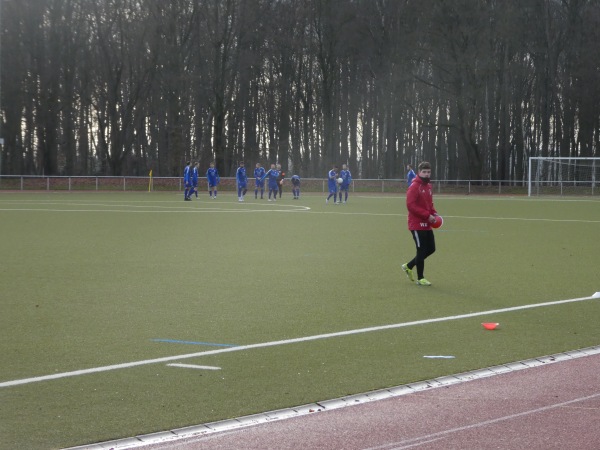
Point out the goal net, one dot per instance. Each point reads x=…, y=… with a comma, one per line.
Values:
x=563, y=176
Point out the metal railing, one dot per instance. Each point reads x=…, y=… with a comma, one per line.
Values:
x=175, y=184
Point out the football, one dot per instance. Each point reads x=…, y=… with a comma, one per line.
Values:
x=439, y=221
x=340, y=181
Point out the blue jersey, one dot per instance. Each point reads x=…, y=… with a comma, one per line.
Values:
x=212, y=175
x=410, y=177
x=332, y=177
x=186, y=175
x=195, y=176
x=272, y=174
x=259, y=173
x=296, y=180
x=346, y=176
x=241, y=177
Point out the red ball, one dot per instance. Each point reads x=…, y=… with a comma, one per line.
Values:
x=439, y=221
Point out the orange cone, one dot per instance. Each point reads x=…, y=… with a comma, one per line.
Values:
x=490, y=325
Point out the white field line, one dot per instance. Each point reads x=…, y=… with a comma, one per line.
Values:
x=191, y=211
x=152, y=207
x=162, y=209
x=168, y=359
x=194, y=366
x=522, y=219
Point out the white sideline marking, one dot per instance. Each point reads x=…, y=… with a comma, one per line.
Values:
x=283, y=342
x=152, y=209
x=194, y=366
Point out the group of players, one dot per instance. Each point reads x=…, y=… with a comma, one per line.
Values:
x=274, y=175
x=338, y=182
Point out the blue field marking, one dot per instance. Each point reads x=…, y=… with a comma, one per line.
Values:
x=176, y=341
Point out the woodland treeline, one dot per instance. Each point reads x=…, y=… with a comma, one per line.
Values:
x=119, y=87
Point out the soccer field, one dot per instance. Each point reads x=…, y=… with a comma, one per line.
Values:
x=125, y=314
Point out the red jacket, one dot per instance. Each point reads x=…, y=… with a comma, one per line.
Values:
x=419, y=202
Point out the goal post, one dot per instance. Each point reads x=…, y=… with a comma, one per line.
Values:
x=563, y=176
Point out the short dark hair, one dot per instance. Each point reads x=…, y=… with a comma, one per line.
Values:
x=424, y=165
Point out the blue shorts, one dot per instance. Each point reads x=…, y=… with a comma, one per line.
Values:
x=259, y=183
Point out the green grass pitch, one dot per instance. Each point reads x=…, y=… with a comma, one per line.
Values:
x=91, y=280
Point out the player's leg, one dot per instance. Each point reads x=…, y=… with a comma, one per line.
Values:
x=429, y=243
x=419, y=260
x=425, y=242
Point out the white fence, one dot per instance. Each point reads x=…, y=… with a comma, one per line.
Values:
x=158, y=184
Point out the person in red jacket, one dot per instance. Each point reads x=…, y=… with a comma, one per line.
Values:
x=421, y=214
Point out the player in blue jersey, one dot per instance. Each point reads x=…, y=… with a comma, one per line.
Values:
x=296, y=186
x=195, y=180
x=187, y=181
x=259, y=183
x=346, y=177
x=410, y=176
x=332, y=183
x=272, y=174
x=212, y=176
x=242, y=181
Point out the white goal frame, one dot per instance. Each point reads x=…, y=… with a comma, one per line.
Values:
x=562, y=180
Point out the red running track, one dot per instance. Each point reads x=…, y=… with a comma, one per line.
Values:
x=552, y=406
